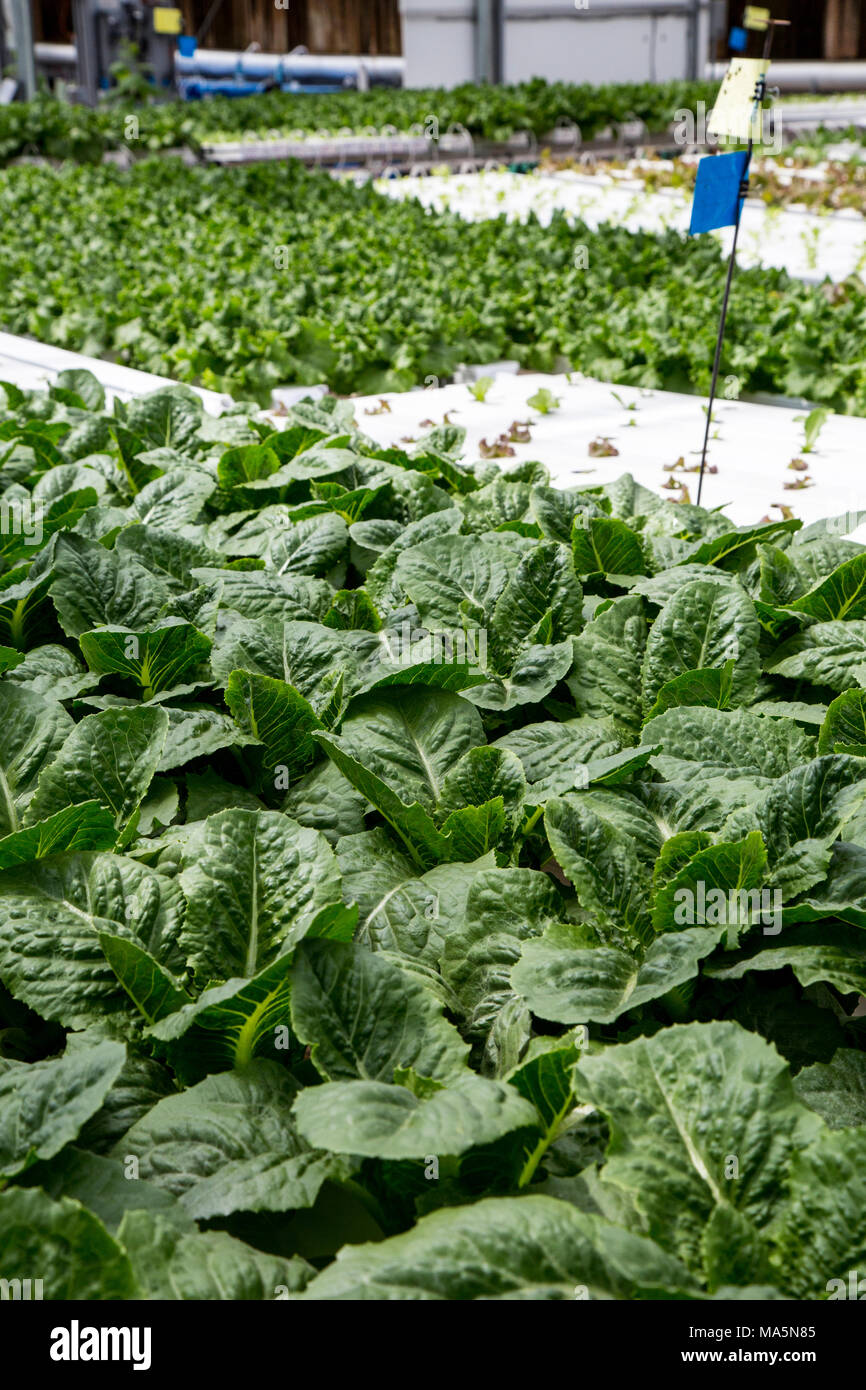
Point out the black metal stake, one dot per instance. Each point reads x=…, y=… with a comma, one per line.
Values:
x=717, y=361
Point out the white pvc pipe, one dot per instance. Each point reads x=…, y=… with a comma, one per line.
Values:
x=818, y=76
x=215, y=62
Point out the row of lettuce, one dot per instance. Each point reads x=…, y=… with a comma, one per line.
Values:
x=417, y=881
x=243, y=280
x=59, y=130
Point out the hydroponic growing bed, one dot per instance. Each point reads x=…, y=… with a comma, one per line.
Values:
x=417, y=882
x=814, y=245
x=764, y=460
x=581, y=431
x=242, y=280
x=46, y=127
x=432, y=848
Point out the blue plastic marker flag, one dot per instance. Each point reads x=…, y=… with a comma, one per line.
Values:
x=739, y=40
x=718, y=197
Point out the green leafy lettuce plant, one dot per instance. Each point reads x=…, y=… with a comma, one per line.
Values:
x=351, y=799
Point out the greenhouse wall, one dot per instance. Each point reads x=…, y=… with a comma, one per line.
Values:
x=453, y=41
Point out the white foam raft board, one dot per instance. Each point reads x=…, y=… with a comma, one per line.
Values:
x=810, y=246
x=755, y=445
x=33, y=366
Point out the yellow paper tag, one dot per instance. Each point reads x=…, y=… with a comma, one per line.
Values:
x=167, y=21
x=735, y=115
x=756, y=17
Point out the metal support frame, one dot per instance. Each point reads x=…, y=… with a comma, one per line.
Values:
x=85, y=24
x=4, y=48
x=694, y=41
x=604, y=9
x=99, y=27
x=22, y=42
x=489, y=40
x=160, y=50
